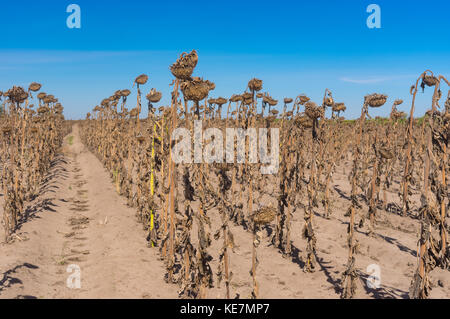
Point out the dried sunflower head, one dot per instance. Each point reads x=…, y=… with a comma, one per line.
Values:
x=339, y=107
x=287, y=100
x=272, y=102
x=303, y=99
x=154, y=96
x=105, y=102
x=183, y=68
x=255, y=84
x=182, y=73
x=264, y=216
x=125, y=92
x=304, y=121
x=376, y=100
x=211, y=85
x=328, y=101
x=236, y=98
x=221, y=101
x=34, y=87
x=397, y=115
x=195, y=89
x=58, y=108
x=247, y=96
x=17, y=94
x=43, y=110
x=115, y=98
x=141, y=79
x=430, y=80
x=313, y=111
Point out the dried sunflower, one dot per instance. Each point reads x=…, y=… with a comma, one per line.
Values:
x=376, y=100
x=34, y=87
x=141, y=79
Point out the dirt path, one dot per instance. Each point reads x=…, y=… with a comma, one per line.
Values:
x=79, y=224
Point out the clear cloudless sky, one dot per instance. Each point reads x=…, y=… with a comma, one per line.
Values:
x=293, y=46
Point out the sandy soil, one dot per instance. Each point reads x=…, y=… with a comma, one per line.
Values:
x=79, y=219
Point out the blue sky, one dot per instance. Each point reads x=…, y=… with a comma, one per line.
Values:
x=293, y=46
